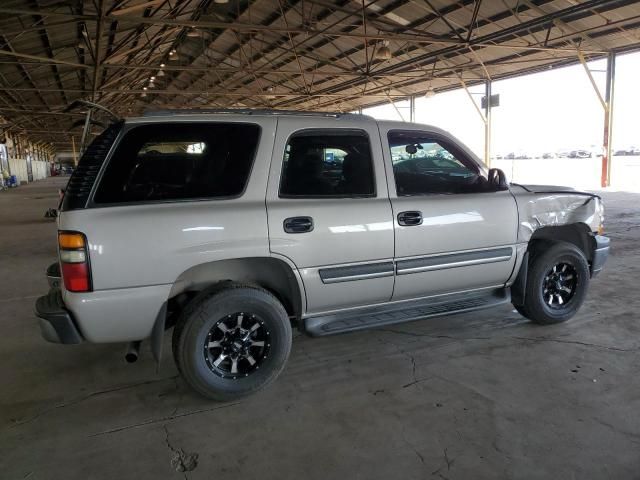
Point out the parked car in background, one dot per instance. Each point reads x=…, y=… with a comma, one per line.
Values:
x=580, y=154
x=631, y=151
x=233, y=227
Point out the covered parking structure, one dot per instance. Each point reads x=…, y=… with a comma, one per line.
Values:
x=478, y=395
x=130, y=56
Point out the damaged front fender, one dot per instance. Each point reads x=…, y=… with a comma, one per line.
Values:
x=549, y=206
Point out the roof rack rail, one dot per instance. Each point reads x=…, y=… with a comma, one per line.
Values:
x=244, y=111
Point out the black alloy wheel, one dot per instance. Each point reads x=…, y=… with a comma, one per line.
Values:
x=559, y=285
x=237, y=345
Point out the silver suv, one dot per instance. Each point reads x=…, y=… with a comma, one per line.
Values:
x=232, y=226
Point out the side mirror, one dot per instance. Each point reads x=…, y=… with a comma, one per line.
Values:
x=497, y=179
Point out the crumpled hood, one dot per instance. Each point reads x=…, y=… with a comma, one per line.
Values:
x=547, y=188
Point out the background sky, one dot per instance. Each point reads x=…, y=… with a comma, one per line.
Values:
x=544, y=112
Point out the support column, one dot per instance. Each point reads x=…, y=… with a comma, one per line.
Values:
x=487, y=123
x=412, y=109
x=75, y=155
x=605, y=178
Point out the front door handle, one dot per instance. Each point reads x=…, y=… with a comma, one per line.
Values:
x=410, y=218
x=298, y=224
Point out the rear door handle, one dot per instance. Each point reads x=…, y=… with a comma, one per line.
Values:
x=410, y=218
x=298, y=224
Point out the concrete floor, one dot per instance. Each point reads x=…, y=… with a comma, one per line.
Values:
x=482, y=395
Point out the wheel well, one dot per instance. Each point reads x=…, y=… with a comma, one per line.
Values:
x=576, y=233
x=272, y=274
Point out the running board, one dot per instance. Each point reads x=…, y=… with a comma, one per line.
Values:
x=371, y=317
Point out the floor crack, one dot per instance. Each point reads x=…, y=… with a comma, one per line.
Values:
x=181, y=461
x=410, y=357
x=163, y=419
x=529, y=339
x=415, y=450
x=448, y=464
x=87, y=397
x=575, y=342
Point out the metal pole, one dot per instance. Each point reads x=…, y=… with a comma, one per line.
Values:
x=412, y=108
x=487, y=123
x=85, y=132
x=75, y=156
x=605, y=178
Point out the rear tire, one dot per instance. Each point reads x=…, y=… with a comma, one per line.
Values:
x=232, y=342
x=557, y=283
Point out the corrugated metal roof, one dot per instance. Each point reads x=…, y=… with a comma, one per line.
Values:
x=283, y=54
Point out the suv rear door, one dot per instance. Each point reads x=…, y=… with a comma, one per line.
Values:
x=453, y=233
x=329, y=211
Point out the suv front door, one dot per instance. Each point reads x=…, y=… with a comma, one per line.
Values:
x=453, y=232
x=329, y=212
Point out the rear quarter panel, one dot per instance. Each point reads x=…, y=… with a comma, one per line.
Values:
x=138, y=251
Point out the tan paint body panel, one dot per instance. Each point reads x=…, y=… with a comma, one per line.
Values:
x=452, y=224
x=346, y=231
x=139, y=252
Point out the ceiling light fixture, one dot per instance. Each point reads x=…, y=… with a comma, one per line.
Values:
x=270, y=95
x=383, y=52
x=161, y=73
x=430, y=93
x=162, y=65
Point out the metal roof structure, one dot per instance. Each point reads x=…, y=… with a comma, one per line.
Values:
x=134, y=55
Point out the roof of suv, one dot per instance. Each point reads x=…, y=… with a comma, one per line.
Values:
x=204, y=112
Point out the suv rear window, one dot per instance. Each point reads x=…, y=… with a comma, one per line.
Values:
x=180, y=161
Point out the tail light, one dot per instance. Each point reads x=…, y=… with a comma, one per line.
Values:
x=74, y=260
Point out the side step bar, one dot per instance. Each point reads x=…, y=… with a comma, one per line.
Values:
x=371, y=317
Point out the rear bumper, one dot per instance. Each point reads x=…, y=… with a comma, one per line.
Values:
x=600, y=254
x=118, y=315
x=56, y=323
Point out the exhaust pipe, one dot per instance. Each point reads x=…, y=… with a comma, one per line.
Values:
x=133, y=351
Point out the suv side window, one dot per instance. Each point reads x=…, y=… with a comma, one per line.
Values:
x=424, y=164
x=180, y=161
x=327, y=163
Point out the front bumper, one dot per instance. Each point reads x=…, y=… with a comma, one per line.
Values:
x=56, y=323
x=600, y=254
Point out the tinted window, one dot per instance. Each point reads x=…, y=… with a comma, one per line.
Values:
x=424, y=164
x=180, y=161
x=327, y=163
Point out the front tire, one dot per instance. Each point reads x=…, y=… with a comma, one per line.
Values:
x=232, y=342
x=557, y=283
